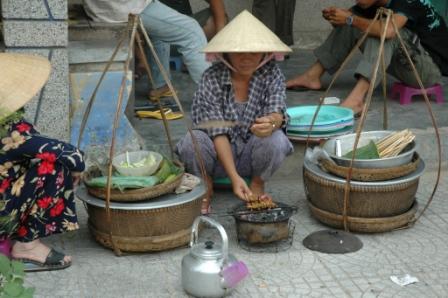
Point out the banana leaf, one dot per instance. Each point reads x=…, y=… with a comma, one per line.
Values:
x=369, y=151
x=124, y=182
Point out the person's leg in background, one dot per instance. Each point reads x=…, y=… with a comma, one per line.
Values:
x=265, y=11
x=330, y=56
x=278, y=16
x=162, y=49
x=396, y=64
x=168, y=26
x=401, y=69
x=285, y=20
x=363, y=72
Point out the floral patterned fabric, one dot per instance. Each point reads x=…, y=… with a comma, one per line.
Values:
x=36, y=186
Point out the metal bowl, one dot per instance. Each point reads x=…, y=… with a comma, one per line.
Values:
x=347, y=142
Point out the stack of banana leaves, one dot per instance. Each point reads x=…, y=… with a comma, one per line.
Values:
x=167, y=172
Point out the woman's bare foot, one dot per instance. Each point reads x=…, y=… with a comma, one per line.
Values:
x=34, y=250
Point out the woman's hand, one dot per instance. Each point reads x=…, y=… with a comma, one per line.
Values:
x=76, y=176
x=240, y=189
x=263, y=126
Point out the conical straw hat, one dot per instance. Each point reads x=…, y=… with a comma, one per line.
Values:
x=245, y=33
x=21, y=77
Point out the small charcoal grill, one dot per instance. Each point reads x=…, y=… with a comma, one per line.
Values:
x=263, y=227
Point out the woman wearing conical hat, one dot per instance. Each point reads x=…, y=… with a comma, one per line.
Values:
x=37, y=173
x=239, y=109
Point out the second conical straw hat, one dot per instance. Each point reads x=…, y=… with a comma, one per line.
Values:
x=21, y=77
x=245, y=33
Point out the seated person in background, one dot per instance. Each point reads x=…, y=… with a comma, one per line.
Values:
x=211, y=19
x=277, y=15
x=423, y=30
x=165, y=27
x=37, y=173
x=247, y=90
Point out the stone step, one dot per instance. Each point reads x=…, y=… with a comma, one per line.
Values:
x=82, y=28
x=93, y=55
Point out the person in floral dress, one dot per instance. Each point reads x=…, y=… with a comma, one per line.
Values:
x=37, y=174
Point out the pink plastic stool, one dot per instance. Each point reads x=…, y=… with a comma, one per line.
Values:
x=406, y=92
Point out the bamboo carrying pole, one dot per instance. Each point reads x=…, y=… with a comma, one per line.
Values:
x=385, y=17
x=134, y=25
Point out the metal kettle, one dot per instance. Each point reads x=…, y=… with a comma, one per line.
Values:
x=209, y=270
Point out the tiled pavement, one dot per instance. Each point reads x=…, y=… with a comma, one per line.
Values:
x=421, y=251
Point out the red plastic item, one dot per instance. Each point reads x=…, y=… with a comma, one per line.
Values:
x=406, y=92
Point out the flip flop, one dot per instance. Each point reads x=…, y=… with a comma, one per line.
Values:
x=302, y=89
x=54, y=261
x=154, y=106
x=169, y=114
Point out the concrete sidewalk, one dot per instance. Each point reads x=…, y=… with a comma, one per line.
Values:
x=421, y=251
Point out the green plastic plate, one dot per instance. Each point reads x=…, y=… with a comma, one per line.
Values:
x=302, y=116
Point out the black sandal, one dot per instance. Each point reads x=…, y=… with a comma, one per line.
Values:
x=54, y=261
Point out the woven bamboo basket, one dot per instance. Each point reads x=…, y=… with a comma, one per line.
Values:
x=134, y=195
x=365, y=225
x=372, y=174
x=367, y=199
x=143, y=244
x=145, y=230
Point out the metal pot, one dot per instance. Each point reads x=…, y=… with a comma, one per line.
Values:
x=209, y=270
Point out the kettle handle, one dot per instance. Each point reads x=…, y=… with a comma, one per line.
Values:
x=215, y=224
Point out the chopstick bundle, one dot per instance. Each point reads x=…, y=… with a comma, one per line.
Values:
x=394, y=143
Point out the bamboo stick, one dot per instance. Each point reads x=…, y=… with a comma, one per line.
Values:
x=394, y=143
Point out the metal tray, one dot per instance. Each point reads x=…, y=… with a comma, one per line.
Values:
x=347, y=146
x=316, y=170
x=164, y=201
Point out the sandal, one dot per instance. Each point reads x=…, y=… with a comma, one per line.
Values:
x=169, y=114
x=54, y=261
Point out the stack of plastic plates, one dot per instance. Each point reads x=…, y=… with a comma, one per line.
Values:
x=330, y=121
